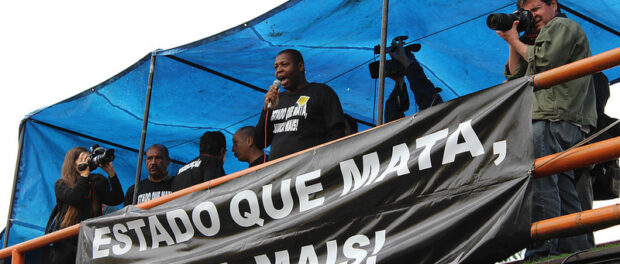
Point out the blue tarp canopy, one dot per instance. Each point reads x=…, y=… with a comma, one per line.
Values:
x=218, y=83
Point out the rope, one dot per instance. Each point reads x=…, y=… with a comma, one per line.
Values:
x=563, y=153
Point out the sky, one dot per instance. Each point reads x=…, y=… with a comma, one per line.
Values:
x=51, y=50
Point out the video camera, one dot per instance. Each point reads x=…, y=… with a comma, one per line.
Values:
x=392, y=68
x=98, y=155
x=503, y=22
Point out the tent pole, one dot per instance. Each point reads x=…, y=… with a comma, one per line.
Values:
x=384, y=21
x=145, y=121
x=19, y=157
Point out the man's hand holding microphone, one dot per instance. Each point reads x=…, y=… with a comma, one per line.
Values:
x=271, y=97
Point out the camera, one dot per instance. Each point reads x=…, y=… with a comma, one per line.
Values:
x=409, y=48
x=503, y=22
x=392, y=68
x=98, y=155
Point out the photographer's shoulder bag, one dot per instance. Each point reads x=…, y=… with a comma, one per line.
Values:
x=606, y=180
x=53, y=223
x=605, y=175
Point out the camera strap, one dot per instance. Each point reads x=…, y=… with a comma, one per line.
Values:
x=90, y=191
x=265, y=145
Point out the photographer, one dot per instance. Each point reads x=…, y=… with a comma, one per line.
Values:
x=425, y=93
x=561, y=114
x=79, y=196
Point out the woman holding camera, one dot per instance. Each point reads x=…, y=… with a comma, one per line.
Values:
x=79, y=196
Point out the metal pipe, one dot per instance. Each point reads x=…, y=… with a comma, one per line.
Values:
x=384, y=21
x=577, y=69
x=7, y=229
x=145, y=121
x=577, y=223
x=41, y=241
x=18, y=257
x=576, y=158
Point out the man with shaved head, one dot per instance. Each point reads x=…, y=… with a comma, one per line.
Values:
x=244, y=148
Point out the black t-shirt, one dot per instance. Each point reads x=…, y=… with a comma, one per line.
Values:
x=259, y=160
x=148, y=190
x=309, y=117
x=200, y=169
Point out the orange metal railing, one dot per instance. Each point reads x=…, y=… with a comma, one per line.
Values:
x=586, y=221
x=577, y=223
x=576, y=158
x=559, y=226
x=578, y=69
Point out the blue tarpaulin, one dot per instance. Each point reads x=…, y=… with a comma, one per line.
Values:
x=218, y=83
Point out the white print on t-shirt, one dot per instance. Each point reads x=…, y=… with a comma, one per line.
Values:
x=290, y=125
x=151, y=195
x=295, y=111
x=190, y=165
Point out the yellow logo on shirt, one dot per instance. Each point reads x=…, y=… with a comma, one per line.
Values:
x=302, y=100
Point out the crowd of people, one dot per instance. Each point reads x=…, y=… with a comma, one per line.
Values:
x=307, y=114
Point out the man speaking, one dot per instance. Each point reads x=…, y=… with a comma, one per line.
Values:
x=303, y=116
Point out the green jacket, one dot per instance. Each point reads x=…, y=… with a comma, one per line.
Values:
x=560, y=42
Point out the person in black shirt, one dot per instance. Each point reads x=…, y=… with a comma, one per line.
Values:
x=159, y=182
x=303, y=116
x=205, y=167
x=244, y=148
x=425, y=93
x=79, y=196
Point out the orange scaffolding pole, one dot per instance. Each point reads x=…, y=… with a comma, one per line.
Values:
x=18, y=257
x=40, y=241
x=597, y=152
x=578, y=69
x=575, y=224
x=576, y=158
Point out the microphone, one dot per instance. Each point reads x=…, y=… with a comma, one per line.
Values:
x=277, y=83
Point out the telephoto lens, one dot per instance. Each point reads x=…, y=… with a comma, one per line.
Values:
x=500, y=21
x=503, y=22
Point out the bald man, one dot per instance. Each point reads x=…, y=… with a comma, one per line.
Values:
x=244, y=148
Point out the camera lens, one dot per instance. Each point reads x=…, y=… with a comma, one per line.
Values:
x=500, y=21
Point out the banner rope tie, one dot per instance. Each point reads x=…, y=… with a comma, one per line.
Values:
x=564, y=153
